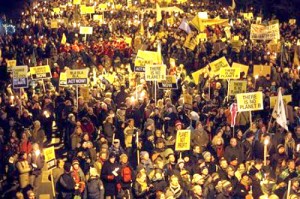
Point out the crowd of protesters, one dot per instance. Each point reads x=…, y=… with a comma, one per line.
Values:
x=119, y=140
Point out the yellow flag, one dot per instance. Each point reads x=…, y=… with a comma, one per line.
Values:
x=158, y=13
x=63, y=39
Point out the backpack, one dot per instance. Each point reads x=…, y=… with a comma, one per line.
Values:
x=126, y=174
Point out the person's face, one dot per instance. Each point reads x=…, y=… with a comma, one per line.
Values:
x=197, y=149
x=172, y=158
x=233, y=142
x=112, y=159
x=224, y=164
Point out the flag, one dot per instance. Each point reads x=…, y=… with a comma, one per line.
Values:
x=158, y=13
x=63, y=39
x=185, y=26
x=233, y=5
x=233, y=113
x=279, y=111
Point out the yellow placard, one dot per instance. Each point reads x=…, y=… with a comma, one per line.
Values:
x=248, y=16
x=102, y=6
x=49, y=154
x=40, y=72
x=236, y=87
x=169, y=83
x=183, y=140
x=217, y=65
x=77, y=77
x=250, y=101
x=62, y=79
x=243, y=68
x=76, y=2
x=56, y=10
x=54, y=24
x=86, y=30
x=229, y=73
x=286, y=99
x=11, y=64
x=155, y=72
x=20, y=71
x=197, y=74
x=87, y=9
x=98, y=18
x=261, y=70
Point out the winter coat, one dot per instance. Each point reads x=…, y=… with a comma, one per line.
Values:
x=109, y=179
x=24, y=170
x=95, y=189
x=66, y=186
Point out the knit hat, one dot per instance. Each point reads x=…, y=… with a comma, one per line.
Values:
x=75, y=161
x=177, y=123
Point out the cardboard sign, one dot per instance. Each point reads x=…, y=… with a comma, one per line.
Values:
x=261, y=70
x=20, y=79
x=243, y=68
x=250, y=101
x=217, y=65
x=183, y=140
x=40, y=72
x=62, y=79
x=236, y=87
x=261, y=32
x=77, y=77
x=11, y=64
x=155, y=72
x=49, y=154
x=286, y=99
x=229, y=73
x=86, y=30
x=169, y=83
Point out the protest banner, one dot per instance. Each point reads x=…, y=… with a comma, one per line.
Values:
x=262, y=32
x=40, y=72
x=20, y=79
x=183, y=140
x=169, y=83
x=229, y=73
x=62, y=79
x=11, y=64
x=286, y=99
x=237, y=86
x=77, y=77
x=243, y=68
x=261, y=70
x=250, y=101
x=215, y=66
x=86, y=30
x=155, y=72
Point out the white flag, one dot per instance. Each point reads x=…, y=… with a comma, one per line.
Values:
x=279, y=111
